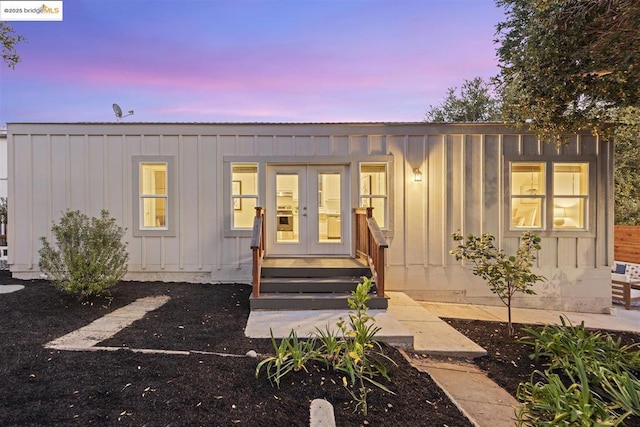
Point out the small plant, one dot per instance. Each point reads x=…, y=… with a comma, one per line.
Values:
x=505, y=275
x=89, y=256
x=291, y=354
x=362, y=359
x=603, y=388
x=352, y=351
x=552, y=403
x=562, y=343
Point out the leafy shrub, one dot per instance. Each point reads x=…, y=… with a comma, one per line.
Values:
x=89, y=256
x=603, y=388
x=550, y=402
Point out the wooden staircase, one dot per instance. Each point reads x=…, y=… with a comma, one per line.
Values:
x=311, y=284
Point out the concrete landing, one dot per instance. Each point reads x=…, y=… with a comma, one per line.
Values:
x=479, y=398
x=107, y=326
x=431, y=334
x=305, y=322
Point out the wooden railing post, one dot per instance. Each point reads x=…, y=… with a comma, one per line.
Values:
x=257, y=249
x=370, y=244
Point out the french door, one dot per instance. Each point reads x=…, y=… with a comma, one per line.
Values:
x=308, y=210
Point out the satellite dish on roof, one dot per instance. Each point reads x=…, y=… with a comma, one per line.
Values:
x=118, y=111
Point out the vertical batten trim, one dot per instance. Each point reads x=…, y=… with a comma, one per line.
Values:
x=443, y=211
x=68, y=171
x=520, y=144
x=579, y=145
x=425, y=200
x=87, y=176
x=539, y=146
x=482, y=181
x=501, y=192
x=163, y=253
x=405, y=214
x=463, y=180
x=50, y=157
x=179, y=225
x=200, y=200
x=105, y=179
x=30, y=201
x=220, y=179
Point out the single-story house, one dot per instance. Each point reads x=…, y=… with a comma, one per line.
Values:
x=187, y=192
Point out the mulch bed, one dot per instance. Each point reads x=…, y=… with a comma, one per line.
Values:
x=51, y=387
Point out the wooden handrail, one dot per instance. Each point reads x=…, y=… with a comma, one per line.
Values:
x=257, y=248
x=370, y=244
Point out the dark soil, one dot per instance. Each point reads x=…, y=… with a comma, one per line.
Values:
x=49, y=387
x=507, y=361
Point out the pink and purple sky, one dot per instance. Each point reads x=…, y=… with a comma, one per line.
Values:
x=248, y=60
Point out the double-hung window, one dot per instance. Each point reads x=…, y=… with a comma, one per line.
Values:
x=548, y=195
x=153, y=198
x=373, y=190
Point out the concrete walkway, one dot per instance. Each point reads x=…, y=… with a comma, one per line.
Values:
x=619, y=320
x=107, y=326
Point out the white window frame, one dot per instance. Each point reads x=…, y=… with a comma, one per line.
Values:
x=169, y=229
x=385, y=197
x=547, y=229
x=227, y=196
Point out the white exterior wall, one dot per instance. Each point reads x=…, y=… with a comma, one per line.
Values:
x=54, y=167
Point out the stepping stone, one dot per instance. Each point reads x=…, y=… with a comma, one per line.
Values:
x=322, y=414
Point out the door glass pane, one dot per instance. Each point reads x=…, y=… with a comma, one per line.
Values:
x=287, y=208
x=329, y=207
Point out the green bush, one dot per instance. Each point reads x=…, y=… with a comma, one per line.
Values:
x=590, y=379
x=89, y=256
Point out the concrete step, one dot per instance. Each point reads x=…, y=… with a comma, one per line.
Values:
x=339, y=284
x=310, y=301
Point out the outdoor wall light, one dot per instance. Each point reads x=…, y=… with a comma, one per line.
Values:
x=417, y=175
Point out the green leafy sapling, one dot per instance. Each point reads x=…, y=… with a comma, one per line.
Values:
x=506, y=275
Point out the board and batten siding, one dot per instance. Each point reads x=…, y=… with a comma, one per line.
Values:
x=55, y=167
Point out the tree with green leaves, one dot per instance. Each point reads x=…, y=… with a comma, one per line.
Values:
x=9, y=39
x=565, y=64
x=506, y=275
x=476, y=103
x=627, y=166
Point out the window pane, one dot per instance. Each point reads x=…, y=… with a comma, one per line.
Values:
x=527, y=179
x=154, y=212
x=244, y=182
x=373, y=179
x=244, y=211
x=526, y=212
x=379, y=208
x=569, y=212
x=570, y=179
x=244, y=179
x=153, y=179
